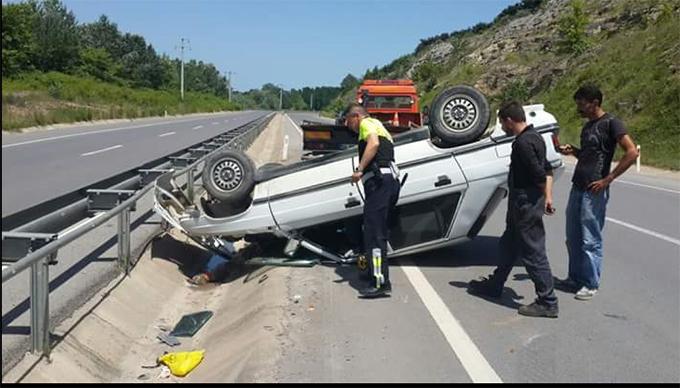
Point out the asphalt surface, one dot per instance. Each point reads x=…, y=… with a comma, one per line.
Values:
x=629, y=332
x=42, y=165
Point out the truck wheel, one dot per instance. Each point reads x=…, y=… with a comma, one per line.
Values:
x=229, y=176
x=459, y=115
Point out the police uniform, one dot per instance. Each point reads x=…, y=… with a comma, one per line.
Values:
x=381, y=187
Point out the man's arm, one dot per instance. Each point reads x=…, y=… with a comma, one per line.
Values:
x=626, y=161
x=549, y=209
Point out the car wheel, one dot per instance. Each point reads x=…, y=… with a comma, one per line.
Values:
x=459, y=115
x=229, y=176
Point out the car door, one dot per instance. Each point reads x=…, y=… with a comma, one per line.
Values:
x=314, y=196
x=429, y=198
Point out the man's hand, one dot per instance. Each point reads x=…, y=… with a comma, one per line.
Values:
x=599, y=185
x=356, y=177
x=549, y=209
x=567, y=149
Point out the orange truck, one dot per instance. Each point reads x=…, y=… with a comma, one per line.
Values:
x=393, y=102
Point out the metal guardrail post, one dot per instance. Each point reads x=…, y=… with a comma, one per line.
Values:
x=190, y=184
x=40, y=291
x=124, y=240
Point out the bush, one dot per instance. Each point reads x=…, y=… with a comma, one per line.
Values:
x=572, y=28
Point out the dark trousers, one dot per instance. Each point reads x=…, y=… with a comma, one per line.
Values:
x=524, y=240
x=382, y=194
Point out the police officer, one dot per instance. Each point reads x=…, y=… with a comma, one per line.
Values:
x=530, y=184
x=379, y=175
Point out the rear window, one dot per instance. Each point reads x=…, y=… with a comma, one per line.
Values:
x=381, y=102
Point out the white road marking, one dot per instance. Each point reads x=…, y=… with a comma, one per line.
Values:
x=284, y=153
x=166, y=134
x=197, y=127
x=294, y=125
x=102, y=150
x=215, y=123
x=91, y=133
x=647, y=186
x=226, y=121
x=636, y=184
x=467, y=352
x=645, y=231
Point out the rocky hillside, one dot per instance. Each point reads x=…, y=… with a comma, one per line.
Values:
x=540, y=51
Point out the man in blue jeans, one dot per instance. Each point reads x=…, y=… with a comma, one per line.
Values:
x=590, y=190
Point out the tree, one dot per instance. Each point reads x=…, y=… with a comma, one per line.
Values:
x=98, y=63
x=572, y=28
x=18, y=43
x=349, y=82
x=56, y=37
x=102, y=34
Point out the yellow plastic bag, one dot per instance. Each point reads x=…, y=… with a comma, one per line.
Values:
x=181, y=363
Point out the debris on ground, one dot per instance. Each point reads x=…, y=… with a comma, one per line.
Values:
x=168, y=339
x=181, y=363
x=189, y=324
x=164, y=373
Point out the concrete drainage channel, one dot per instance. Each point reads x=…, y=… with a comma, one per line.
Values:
x=83, y=266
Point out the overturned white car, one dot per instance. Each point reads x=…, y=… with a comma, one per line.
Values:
x=450, y=186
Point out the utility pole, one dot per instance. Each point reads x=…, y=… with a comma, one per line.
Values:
x=229, y=80
x=311, y=101
x=181, y=74
x=280, y=97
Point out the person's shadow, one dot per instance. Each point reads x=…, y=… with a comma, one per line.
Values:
x=508, y=298
x=350, y=274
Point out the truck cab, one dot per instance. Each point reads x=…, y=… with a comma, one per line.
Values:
x=394, y=102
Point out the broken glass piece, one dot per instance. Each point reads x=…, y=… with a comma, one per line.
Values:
x=189, y=324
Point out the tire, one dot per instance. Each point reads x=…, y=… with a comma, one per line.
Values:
x=229, y=176
x=459, y=115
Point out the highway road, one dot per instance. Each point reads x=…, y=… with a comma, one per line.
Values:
x=432, y=330
x=43, y=165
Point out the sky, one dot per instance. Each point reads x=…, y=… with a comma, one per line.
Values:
x=293, y=43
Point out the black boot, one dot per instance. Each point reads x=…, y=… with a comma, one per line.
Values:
x=376, y=292
x=538, y=310
x=486, y=287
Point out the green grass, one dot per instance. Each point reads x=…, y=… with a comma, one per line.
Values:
x=467, y=74
x=49, y=98
x=633, y=70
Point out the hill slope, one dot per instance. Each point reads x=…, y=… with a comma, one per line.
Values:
x=630, y=48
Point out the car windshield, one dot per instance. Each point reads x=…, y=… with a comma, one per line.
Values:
x=389, y=102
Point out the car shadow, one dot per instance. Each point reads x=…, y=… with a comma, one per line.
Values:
x=481, y=251
x=348, y=274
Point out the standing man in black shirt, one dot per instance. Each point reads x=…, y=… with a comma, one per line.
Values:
x=530, y=184
x=590, y=190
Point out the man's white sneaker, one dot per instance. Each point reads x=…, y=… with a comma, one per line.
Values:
x=585, y=293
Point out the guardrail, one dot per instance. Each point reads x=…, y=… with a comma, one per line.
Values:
x=38, y=250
